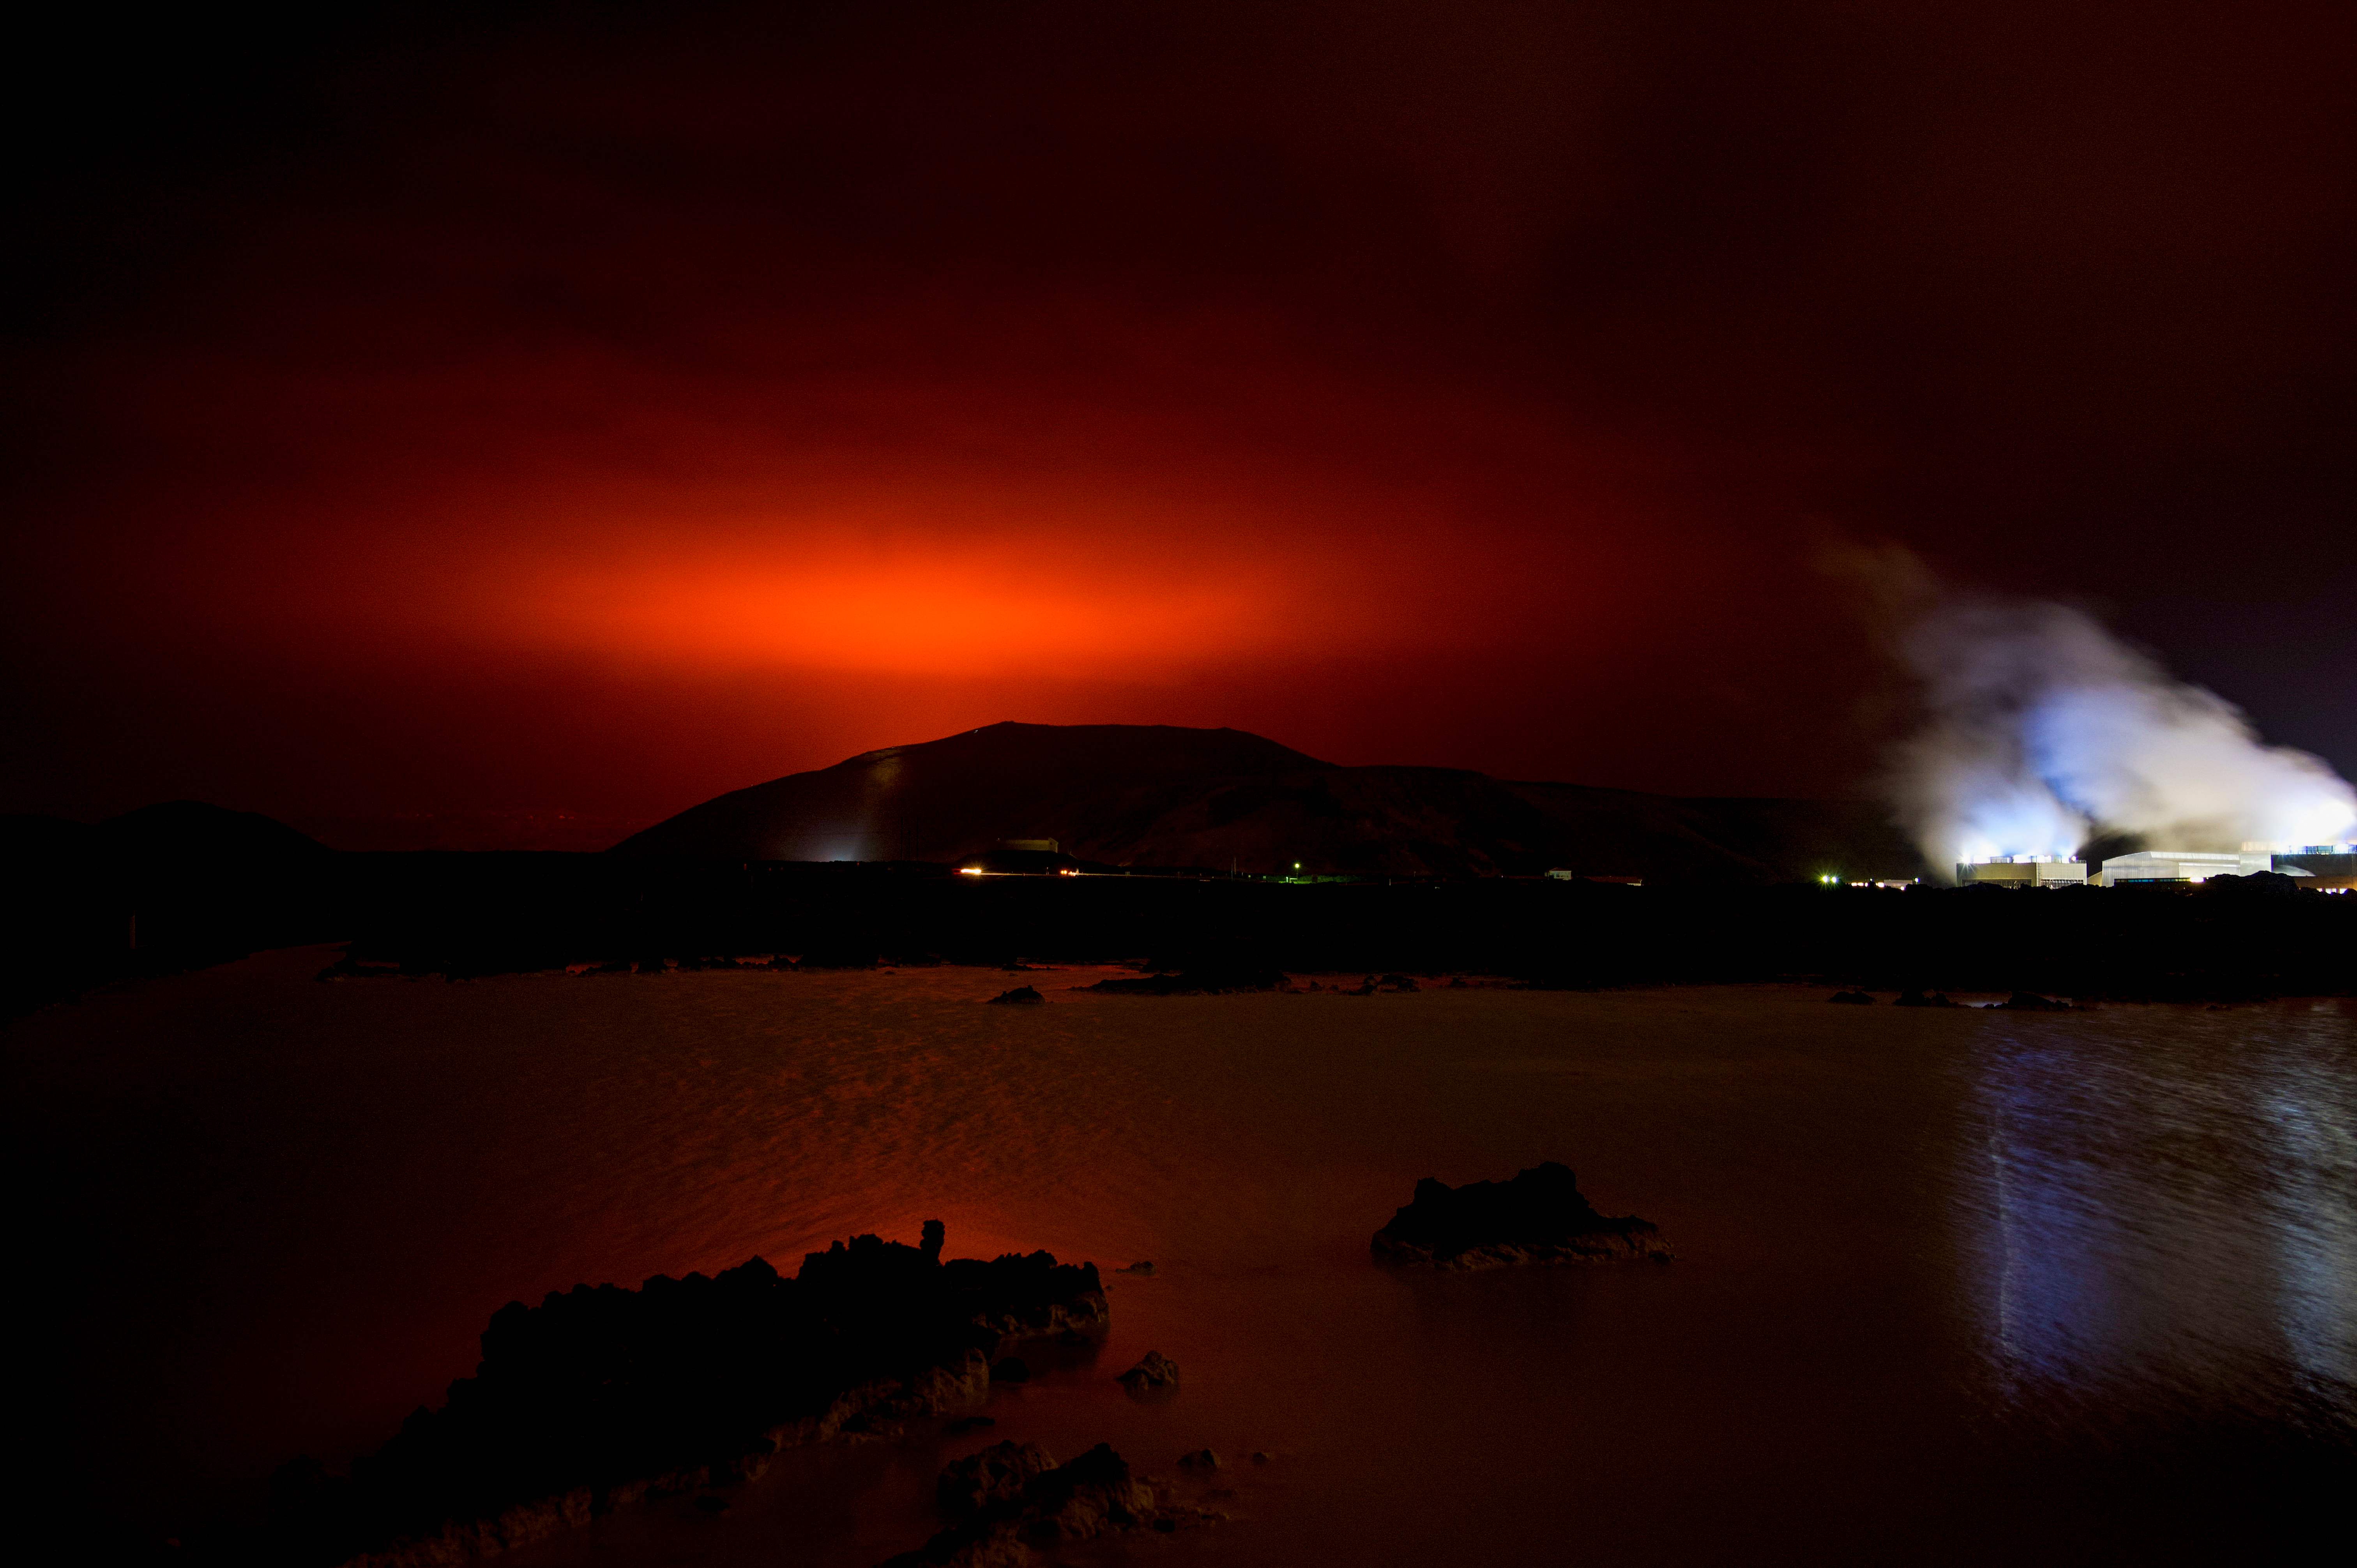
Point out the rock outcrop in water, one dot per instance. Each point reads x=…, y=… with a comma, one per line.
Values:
x=1540, y=1217
x=1011, y=1500
x=600, y=1396
x=1021, y=996
x=1155, y=1373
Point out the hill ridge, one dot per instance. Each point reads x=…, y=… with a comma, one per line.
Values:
x=1169, y=795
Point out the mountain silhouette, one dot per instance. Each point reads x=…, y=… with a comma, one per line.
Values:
x=1161, y=796
x=946, y=799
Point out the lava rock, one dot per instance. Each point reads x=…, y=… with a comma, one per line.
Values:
x=601, y=1396
x=1140, y=1267
x=1852, y=998
x=1155, y=1373
x=2030, y=1001
x=1540, y=1217
x=1021, y=996
x=1094, y=1496
x=1913, y=996
x=1202, y=1461
x=996, y=1475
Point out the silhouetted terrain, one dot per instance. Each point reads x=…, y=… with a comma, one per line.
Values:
x=601, y=1395
x=163, y=887
x=1136, y=795
x=944, y=798
x=1446, y=864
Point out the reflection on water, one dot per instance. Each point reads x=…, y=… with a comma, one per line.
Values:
x=2162, y=1207
x=271, y=1215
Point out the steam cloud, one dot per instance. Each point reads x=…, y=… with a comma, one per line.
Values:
x=2044, y=728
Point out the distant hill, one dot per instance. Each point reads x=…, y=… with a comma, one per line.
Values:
x=946, y=799
x=175, y=835
x=1162, y=796
x=165, y=886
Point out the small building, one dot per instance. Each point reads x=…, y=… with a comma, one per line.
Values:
x=2182, y=865
x=2022, y=871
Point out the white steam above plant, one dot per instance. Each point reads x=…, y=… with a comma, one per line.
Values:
x=2043, y=730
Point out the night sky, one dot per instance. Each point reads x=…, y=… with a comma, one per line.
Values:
x=459, y=415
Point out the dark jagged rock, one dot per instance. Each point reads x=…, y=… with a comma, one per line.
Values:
x=1140, y=1267
x=1154, y=1373
x=1852, y=998
x=996, y=1475
x=1009, y=1503
x=1400, y=981
x=1021, y=996
x=1201, y=1460
x=1193, y=983
x=1913, y=996
x=2030, y=1001
x=600, y=1396
x=1540, y=1217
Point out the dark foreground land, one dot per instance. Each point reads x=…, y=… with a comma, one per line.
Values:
x=459, y=914
x=600, y=1396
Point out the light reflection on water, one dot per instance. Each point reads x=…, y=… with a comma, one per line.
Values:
x=1952, y=1285
x=2162, y=1208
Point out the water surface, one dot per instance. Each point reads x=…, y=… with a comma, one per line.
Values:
x=1951, y=1284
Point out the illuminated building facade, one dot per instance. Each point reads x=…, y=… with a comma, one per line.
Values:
x=2022, y=871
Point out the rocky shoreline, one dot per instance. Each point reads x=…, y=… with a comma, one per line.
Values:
x=1006, y=1504
x=602, y=1397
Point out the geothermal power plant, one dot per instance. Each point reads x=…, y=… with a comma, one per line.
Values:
x=2325, y=867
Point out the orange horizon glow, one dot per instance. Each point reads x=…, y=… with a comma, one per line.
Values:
x=944, y=612
x=1044, y=576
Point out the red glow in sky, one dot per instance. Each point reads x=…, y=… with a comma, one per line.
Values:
x=499, y=417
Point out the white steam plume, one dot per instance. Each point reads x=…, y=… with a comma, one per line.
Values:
x=2044, y=728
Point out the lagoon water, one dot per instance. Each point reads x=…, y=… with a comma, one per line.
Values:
x=1950, y=1285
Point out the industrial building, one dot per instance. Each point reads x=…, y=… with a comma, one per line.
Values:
x=2182, y=865
x=2332, y=866
x=2022, y=871
x=2327, y=868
